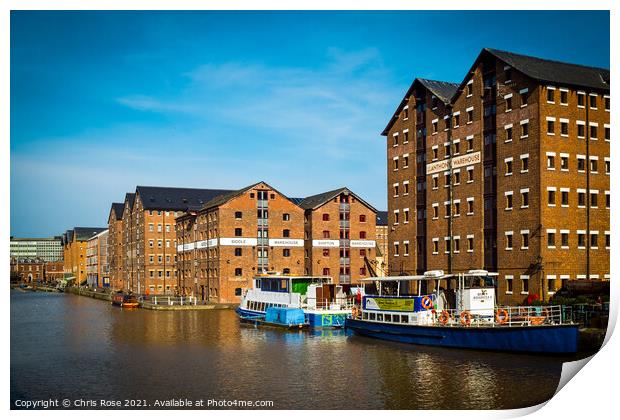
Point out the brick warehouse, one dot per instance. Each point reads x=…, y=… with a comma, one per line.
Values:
x=340, y=235
x=228, y=240
x=511, y=174
x=115, y=245
x=236, y=236
x=74, y=243
x=149, y=238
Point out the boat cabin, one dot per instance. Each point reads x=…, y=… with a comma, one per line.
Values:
x=472, y=291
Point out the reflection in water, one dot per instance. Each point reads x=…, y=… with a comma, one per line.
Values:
x=65, y=346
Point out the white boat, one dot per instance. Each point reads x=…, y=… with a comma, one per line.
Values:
x=464, y=314
x=325, y=304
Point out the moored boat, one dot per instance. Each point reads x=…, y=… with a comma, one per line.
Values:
x=125, y=300
x=324, y=304
x=286, y=318
x=464, y=314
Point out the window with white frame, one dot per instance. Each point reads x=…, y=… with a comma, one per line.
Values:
x=470, y=206
x=508, y=129
x=470, y=243
x=564, y=157
x=525, y=284
x=525, y=239
x=508, y=166
x=509, y=200
x=551, y=126
x=564, y=238
x=508, y=240
x=564, y=127
x=551, y=196
x=525, y=197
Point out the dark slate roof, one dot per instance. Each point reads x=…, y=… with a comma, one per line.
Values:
x=117, y=209
x=167, y=198
x=315, y=201
x=443, y=90
x=296, y=200
x=221, y=199
x=555, y=71
x=382, y=218
x=85, y=233
x=130, y=197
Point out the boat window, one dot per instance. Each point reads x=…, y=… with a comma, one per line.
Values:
x=388, y=318
x=404, y=319
x=371, y=315
x=258, y=283
x=283, y=285
x=379, y=317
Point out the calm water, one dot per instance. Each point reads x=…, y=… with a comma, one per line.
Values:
x=66, y=346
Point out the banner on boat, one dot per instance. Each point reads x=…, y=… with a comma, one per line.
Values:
x=388, y=304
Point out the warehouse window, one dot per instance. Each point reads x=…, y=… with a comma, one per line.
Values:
x=525, y=129
x=593, y=100
x=238, y=272
x=238, y=252
x=550, y=95
x=326, y=252
x=593, y=131
x=238, y=231
x=325, y=271
x=286, y=217
x=286, y=252
x=508, y=241
x=238, y=291
x=550, y=238
x=286, y=233
x=523, y=95
x=362, y=235
x=563, y=97
x=363, y=216
x=238, y=215
x=326, y=234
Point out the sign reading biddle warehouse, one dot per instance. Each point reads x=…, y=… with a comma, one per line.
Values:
x=457, y=162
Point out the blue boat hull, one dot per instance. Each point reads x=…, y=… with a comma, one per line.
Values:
x=314, y=320
x=535, y=339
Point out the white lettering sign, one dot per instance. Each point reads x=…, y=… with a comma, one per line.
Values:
x=179, y=248
x=362, y=244
x=457, y=162
x=286, y=242
x=239, y=241
x=188, y=247
x=326, y=243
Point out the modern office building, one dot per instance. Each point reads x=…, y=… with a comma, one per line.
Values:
x=47, y=249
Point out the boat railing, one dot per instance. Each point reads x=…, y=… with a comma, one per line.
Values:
x=501, y=317
x=331, y=304
x=171, y=300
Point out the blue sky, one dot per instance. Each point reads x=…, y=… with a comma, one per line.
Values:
x=104, y=101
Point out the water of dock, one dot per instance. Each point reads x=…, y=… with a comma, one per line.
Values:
x=67, y=346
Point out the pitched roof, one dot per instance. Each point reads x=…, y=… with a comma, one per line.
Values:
x=169, y=198
x=555, y=71
x=443, y=90
x=85, y=233
x=223, y=198
x=130, y=198
x=117, y=210
x=315, y=201
x=382, y=218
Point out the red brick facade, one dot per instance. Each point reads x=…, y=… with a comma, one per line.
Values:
x=501, y=175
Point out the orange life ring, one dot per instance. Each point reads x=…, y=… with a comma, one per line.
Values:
x=354, y=312
x=466, y=318
x=444, y=317
x=501, y=316
x=427, y=302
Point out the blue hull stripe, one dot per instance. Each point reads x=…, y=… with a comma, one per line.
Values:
x=539, y=339
x=315, y=320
